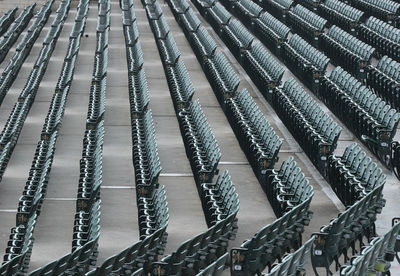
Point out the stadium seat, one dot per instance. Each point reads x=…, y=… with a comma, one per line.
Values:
x=216, y=268
x=219, y=199
x=287, y=187
x=222, y=77
x=201, y=146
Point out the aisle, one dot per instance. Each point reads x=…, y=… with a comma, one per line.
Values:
x=119, y=226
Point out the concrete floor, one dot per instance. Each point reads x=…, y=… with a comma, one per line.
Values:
x=119, y=227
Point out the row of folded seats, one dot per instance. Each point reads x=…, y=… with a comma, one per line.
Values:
x=369, y=117
x=315, y=130
x=17, y=256
x=201, y=147
x=220, y=199
x=337, y=241
x=151, y=199
x=271, y=245
x=23, y=49
x=348, y=51
x=341, y=14
x=353, y=175
x=307, y=24
x=382, y=36
x=376, y=257
x=383, y=80
x=12, y=129
x=87, y=217
x=305, y=61
x=13, y=32
x=7, y=19
x=206, y=252
x=386, y=10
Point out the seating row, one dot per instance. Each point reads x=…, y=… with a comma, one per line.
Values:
x=12, y=129
x=246, y=10
x=376, y=257
x=347, y=51
x=87, y=216
x=341, y=14
x=294, y=263
x=356, y=223
x=384, y=80
x=272, y=242
x=219, y=200
x=17, y=257
x=386, y=10
x=382, y=36
x=7, y=19
x=195, y=255
x=201, y=147
x=307, y=24
x=278, y=8
x=316, y=131
x=271, y=32
x=353, y=174
x=145, y=155
x=134, y=259
x=305, y=61
x=287, y=187
x=14, y=31
x=368, y=116
x=256, y=136
x=23, y=49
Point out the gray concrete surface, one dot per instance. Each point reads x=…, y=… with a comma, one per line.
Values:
x=119, y=226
